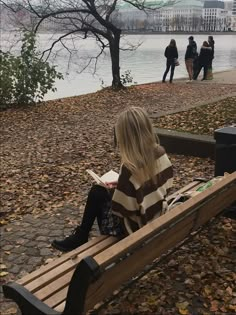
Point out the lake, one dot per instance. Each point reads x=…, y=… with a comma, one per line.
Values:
x=146, y=64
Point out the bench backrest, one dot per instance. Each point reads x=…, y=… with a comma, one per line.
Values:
x=102, y=274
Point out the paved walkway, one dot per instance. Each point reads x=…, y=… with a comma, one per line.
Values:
x=26, y=243
x=223, y=77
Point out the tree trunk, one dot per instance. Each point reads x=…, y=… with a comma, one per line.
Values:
x=115, y=59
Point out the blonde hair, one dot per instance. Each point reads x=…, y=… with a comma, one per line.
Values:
x=137, y=140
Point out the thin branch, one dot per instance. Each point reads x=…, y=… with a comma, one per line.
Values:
x=54, y=43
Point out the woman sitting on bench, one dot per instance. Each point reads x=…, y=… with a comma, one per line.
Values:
x=146, y=176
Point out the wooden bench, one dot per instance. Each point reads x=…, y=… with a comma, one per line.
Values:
x=78, y=280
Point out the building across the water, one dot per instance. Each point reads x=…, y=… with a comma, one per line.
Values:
x=233, y=18
x=177, y=16
x=180, y=15
x=215, y=16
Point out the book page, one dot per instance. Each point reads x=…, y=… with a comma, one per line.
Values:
x=95, y=177
x=108, y=177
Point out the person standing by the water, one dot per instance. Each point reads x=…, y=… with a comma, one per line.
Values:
x=171, y=54
x=204, y=60
x=211, y=43
x=190, y=55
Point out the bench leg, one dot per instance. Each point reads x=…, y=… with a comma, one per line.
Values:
x=86, y=271
x=27, y=302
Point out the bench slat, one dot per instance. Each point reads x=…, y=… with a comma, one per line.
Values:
x=60, y=296
x=193, y=185
x=47, y=286
x=114, y=277
x=57, y=299
x=152, y=227
x=224, y=200
x=58, y=261
x=124, y=270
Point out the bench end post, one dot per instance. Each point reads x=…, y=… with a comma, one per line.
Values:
x=26, y=301
x=86, y=272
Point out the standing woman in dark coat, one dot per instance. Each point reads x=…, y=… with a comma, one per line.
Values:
x=204, y=60
x=171, y=54
x=211, y=43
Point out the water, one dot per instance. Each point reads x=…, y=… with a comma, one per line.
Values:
x=146, y=64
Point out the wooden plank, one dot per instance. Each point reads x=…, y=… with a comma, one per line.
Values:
x=177, y=226
x=168, y=218
x=116, y=276
x=58, y=261
x=56, y=299
x=46, y=287
x=216, y=205
x=60, y=308
x=193, y=185
x=53, y=287
x=125, y=269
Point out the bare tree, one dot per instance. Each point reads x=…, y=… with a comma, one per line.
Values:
x=80, y=18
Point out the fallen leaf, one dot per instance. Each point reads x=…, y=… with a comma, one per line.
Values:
x=10, y=311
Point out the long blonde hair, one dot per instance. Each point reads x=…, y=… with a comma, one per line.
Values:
x=137, y=140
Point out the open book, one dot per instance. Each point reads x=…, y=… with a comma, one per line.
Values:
x=108, y=177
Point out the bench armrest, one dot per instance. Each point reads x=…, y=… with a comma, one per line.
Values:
x=26, y=301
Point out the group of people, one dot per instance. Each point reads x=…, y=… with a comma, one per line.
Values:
x=194, y=62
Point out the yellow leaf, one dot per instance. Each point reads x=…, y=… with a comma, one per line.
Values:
x=10, y=311
x=232, y=307
x=229, y=290
x=207, y=290
x=3, y=273
x=182, y=305
x=183, y=311
x=2, y=222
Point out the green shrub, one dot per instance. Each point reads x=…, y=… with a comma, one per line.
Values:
x=25, y=79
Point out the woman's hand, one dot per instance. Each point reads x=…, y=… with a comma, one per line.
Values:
x=111, y=185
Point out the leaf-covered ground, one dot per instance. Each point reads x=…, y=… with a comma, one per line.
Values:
x=46, y=149
x=203, y=119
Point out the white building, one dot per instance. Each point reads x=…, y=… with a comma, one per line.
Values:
x=181, y=15
x=233, y=18
x=215, y=16
x=130, y=18
x=187, y=15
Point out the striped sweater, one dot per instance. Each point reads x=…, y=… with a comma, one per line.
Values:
x=137, y=203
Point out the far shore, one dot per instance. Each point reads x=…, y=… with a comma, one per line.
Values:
x=139, y=32
x=177, y=33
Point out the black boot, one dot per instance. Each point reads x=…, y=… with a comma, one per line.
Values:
x=76, y=239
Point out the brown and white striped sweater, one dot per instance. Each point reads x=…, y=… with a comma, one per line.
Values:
x=137, y=203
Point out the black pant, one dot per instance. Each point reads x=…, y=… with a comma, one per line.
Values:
x=205, y=68
x=97, y=197
x=169, y=64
